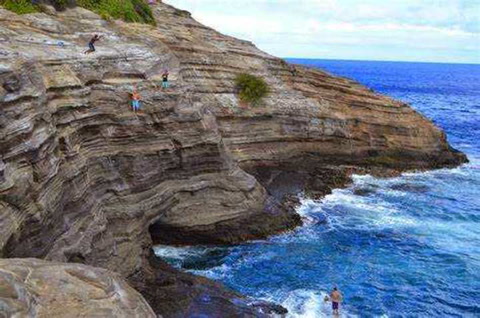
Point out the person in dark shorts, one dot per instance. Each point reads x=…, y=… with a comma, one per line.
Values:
x=165, y=83
x=336, y=298
x=91, y=46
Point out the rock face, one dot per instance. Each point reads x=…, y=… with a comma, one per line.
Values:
x=176, y=294
x=35, y=288
x=84, y=179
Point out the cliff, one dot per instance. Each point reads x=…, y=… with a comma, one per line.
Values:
x=36, y=288
x=84, y=179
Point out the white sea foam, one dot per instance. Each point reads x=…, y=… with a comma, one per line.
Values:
x=177, y=253
x=216, y=273
x=305, y=211
x=343, y=209
x=303, y=303
x=374, y=212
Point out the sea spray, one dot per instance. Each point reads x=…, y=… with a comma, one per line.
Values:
x=399, y=247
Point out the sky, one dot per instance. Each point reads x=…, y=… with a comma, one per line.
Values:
x=387, y=30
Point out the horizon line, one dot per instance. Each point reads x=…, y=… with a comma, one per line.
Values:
x=390, y=61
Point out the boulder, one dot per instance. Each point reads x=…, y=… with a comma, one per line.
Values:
x=35, y=288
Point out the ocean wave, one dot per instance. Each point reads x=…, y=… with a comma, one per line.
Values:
x=365, y=229
x=304, y=303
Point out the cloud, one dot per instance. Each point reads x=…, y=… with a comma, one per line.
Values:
x=368, y=29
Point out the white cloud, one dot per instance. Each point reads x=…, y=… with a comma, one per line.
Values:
x=367, y=29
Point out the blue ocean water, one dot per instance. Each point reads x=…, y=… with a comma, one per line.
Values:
x=402, y=247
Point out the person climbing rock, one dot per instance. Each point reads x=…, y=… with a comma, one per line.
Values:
x=91, y=46
x=336, y=298
x=135, y=100
x=165, y=83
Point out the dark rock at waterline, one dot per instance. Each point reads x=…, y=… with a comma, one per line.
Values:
x=177, y=294
x=410, y=187
x=275, y=218
x=306, y=175
x=365, y=190
x=270, y=308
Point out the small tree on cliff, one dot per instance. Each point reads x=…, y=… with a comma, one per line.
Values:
x=251, y=89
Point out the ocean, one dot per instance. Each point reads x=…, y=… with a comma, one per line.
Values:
x=402, y=247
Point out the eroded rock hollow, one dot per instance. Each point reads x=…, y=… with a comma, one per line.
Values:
x=84, y=179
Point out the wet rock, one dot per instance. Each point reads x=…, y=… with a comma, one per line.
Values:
x=364, y=191
x=270, y=309
x=177, y=295
x=410, y=187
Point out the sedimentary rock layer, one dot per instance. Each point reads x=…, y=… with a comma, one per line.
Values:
x=84, y=179
x=35, y=288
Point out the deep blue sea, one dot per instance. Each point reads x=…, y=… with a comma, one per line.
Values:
x=407, y=247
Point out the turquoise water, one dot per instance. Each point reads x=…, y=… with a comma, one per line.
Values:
x=401, y=247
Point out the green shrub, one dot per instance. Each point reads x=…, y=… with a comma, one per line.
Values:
x=19, y=6
x=127, y=10
x=251, y=89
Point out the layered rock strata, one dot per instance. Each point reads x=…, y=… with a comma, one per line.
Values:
x=36, y=288
x=84, y=179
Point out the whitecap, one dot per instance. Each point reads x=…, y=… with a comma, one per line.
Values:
x=176, y=253
x=304, y=303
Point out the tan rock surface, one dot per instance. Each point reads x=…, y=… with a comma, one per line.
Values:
x=36, y=288
x=84, y=179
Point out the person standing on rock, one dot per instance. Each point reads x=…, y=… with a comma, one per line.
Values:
x=165, y=83
x=135, y=100
x=91, y=46
x=336, y=298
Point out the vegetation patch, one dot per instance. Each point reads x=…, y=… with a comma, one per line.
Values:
x=127, y=10
x=251, y=89
x=19, y=6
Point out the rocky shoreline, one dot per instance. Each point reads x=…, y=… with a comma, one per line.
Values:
x=83, y=179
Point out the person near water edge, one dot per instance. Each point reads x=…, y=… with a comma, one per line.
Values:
x=165, y=79
x=91, y=46
x=336, y=298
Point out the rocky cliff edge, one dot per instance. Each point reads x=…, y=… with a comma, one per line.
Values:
x=84, y=179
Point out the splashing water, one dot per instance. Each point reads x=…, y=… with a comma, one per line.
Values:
x=401, y=247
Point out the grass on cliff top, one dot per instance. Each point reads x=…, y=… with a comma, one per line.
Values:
x=251, y=89
x=19, y=6
x=127, y=10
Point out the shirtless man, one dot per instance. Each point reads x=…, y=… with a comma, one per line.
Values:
x=336, y=298
x=91, y=46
